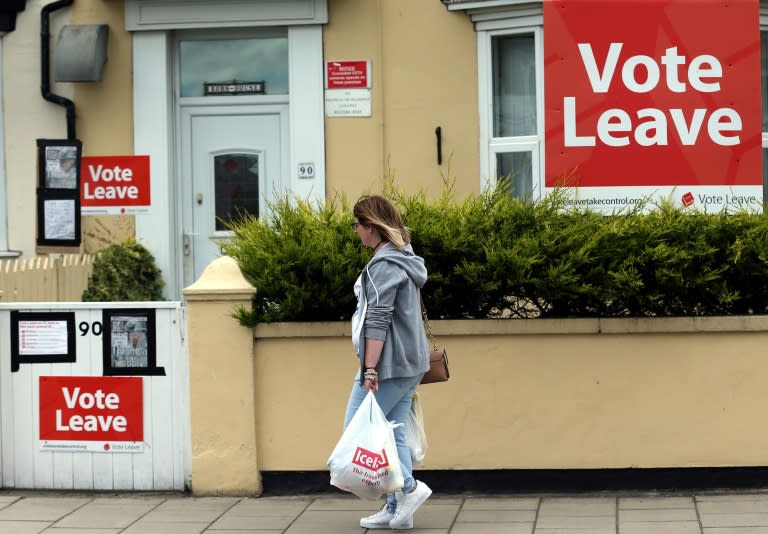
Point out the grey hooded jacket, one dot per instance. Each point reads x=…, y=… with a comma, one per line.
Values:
x=391, y=284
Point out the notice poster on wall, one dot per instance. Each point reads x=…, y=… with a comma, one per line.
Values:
x=653, y=100
x=91, y=414
x=42, y=337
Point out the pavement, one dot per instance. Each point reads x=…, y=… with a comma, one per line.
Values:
x=711, y=512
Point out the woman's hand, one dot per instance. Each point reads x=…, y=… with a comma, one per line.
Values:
x=371, y=380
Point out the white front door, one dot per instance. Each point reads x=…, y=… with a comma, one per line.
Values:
x=232, y=164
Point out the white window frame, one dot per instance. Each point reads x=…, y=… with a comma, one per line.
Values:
x=764, y=29
x=490, y=146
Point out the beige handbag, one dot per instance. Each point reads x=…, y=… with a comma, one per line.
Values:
x=438, y=358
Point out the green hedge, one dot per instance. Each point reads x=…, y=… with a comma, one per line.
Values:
x=492, y=256
x=124, y=272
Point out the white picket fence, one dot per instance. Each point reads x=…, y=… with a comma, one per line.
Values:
x=165, y=461
x=60, y=278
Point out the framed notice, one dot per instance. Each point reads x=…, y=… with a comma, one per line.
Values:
x=59, y=164
x=129, y=342
x=58, y=220
x=58, y=193
x=42, y=337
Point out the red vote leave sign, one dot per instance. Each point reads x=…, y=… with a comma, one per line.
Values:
x=114, y=184
x=91, y=408
x=653, y=93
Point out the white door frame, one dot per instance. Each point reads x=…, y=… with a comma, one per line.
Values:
x=156, y=135
x=186, y=188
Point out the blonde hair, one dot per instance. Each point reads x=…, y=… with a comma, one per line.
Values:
x=377, y=211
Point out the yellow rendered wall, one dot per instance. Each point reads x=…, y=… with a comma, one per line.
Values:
x=537, y=394
x=105, y=113
x=28, y=117
x=424, y=75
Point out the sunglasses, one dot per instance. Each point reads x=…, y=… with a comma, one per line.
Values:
x=354, y=225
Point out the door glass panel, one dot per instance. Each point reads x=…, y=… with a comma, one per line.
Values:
x=234, y=60
x=236, y=187
x=514, y=85
x=514, y=170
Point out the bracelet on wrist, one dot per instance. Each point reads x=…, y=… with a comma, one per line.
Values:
x=371, y=374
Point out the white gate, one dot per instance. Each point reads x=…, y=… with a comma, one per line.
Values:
x=63, y=348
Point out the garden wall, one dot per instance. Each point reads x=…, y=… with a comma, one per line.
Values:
x=523, y=394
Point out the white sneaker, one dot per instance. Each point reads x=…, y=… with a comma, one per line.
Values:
x=407, y=504
x=381, y=519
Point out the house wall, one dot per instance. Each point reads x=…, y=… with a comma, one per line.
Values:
x=27, y=117
x=105, y=113
x=423, y=76
x=423, y=63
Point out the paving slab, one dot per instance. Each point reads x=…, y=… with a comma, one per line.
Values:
x=493, y=528
x=42, y=508
x=661, y=514
x=655, y=527
x=23, y=527
x=737, y=530
x=732, y=507
x=655, y=503
x=734, y=520
x=103, y=514
x=150, y=527
x=566, y=530
x=577, y=522
x=266, y=522
x=571, y=508
x=496, y=516
x=500, y=503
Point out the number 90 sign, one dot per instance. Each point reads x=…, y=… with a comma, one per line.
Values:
x=95, y=328
x=306, y=170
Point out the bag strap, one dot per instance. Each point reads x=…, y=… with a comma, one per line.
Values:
x=427, y=326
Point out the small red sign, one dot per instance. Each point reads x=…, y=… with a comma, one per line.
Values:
x=347, y=75
x=91, y=408
x=114, y=181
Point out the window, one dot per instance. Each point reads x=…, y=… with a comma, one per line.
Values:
x=247, y=59
x=236, y=185
x=511, y=109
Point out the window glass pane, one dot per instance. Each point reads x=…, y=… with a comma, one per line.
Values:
x=226, y=60
x=237, y=187
x=515, y=171
x=514, y=85
x=764, y=76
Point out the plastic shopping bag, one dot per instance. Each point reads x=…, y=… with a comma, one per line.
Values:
x=365, y=460
x=415, y=435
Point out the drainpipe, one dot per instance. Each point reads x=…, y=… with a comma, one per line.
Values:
x=45, y=61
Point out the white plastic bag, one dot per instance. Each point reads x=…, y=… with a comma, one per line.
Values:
x=415, y=435
x=365, y=460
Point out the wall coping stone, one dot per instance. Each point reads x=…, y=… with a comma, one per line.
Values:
x=504, y=327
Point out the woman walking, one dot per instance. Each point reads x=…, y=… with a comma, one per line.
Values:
x=388, y=335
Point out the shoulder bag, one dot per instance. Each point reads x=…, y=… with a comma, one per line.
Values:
x=438, y=358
